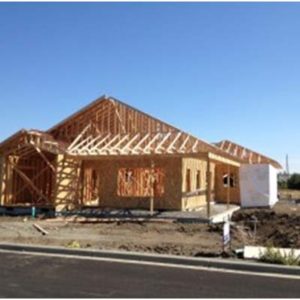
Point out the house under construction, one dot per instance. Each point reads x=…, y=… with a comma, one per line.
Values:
x=112, y=155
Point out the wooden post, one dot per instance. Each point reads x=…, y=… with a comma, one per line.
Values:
x=152, y=179
x=228, y=186
x=2, y=179
x=9, y=179
x=208, y=190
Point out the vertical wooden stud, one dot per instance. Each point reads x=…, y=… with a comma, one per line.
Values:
x=152, y=179
x=228, y=186
x=208, y=190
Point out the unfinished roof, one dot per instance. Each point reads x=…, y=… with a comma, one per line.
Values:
x=26, y=141
x=109, y=127
x=247, y=155
x=136, y=143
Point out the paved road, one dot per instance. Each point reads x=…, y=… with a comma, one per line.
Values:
x=24, y=275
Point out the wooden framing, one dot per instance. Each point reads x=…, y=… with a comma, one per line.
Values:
x=26, y=176
x=3, y=175
x=228, y=186
x=227, y=193
x=49, y=168
x=208, y=176
x=139, y=182
x=245, y=154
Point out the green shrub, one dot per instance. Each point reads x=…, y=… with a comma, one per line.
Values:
x=282, y=184
x=274, y=256
x=294, y=182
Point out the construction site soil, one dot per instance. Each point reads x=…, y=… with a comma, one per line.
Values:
x=278, y=227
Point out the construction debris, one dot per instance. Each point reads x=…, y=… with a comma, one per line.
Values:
x=40, y=229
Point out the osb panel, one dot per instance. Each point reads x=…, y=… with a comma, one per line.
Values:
x=141, y=182
x=193, y=202
x=108, y=172
x=221, y=191
x=195, y=165
x=90, y=186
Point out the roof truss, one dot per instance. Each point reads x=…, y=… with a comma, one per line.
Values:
x=25, y=142
x=134, y=144
x=246, y=154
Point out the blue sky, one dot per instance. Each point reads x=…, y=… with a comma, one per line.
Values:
x=216, y=70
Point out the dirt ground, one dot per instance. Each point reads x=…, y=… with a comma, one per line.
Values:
x=279, y=227
x=287, y=194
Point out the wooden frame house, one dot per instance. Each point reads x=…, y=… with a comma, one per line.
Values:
x=112, y=155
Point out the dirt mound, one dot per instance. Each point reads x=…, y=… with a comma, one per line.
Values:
x=272, y=228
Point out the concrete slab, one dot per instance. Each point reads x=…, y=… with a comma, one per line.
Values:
x=219, y=213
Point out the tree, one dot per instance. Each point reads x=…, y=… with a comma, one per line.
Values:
x=294, y=182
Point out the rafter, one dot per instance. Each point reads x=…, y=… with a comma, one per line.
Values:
x=171, y=146
x=78, y=138
x=160, y=145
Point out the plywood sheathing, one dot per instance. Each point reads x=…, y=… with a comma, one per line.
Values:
x=196, y=197
x=108, y=183
x=221, y=191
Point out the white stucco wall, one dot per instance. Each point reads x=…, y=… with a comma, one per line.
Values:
x=258, y=184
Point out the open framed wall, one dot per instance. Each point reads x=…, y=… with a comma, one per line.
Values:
x=27, y=180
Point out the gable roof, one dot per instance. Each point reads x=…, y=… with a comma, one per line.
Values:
x=105, y=110
x=108, y=126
